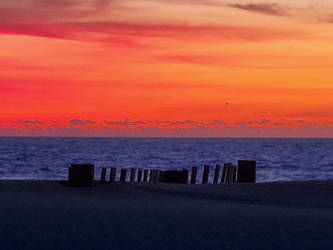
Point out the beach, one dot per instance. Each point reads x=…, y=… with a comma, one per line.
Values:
x=52, y=215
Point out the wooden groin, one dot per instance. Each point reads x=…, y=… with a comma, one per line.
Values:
x=244, y=172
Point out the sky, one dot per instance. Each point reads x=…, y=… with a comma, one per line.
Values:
x=166, y=68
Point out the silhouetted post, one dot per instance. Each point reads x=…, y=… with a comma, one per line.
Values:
x=174, y=176
x=103, y=175
x=194, y=175
x=185, y=174
x=154, y=175
x=145, y=175
x=81, y=175
x=227, y=173
x=223, y=178
x=123, y=175
x=132, y=175
x=151, y=175
x=158, y=174
x=140, y=175
x=217, y=173
x=113, y=174
x=235, y=174
x=230, y=175
x=205, y=175
x=162, y=177
x=246, y=171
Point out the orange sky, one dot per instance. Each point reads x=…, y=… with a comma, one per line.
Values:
x=166, y=68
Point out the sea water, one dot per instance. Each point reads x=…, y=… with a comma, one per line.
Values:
x=277, y=159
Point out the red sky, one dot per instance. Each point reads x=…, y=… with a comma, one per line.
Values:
x=166, y=68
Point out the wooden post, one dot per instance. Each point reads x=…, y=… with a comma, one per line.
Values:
x=123, y=175
x=217, y=173
x=185, y=174
x=205, y=175
x=132, y=175
x=158, y=174
x=145, y=175
x=194, y=175
x=151, y=175
x=103, y=175
x=228, y=173
x=154, y=175
x=223, y=178
x=81, y=175
x=140, y=175
x=246, y=171
x=235, y=175
x=113, y=174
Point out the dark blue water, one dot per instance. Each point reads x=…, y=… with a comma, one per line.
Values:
x=277, y=159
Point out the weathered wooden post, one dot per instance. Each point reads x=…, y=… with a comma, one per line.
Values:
x=140, y=175
x=151, y=175
x=224, y=172
x=123, y=175
x=81, y=175
x=145, y=175
x=194, y=175
x=158, y=174
x=235, y=174
x=217, y=173
x=246, y=171
x=113, y=174
x=103, y=175
x=230, y=172
x=205, y=174
x=154, y=176
x=132, y=175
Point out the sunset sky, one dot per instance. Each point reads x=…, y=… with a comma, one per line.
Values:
x=166, y=68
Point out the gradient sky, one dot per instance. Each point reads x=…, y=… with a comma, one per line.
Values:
x=166, y=68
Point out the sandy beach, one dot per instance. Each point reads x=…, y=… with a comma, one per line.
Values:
x=51, y=215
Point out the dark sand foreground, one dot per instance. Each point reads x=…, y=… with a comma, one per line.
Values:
x=51, y=215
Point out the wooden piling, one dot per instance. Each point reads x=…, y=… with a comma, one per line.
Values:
x=123, y=175
x=154, y=176
x=205, y=174
x=139, y=175
x=234, y=180
x=246, y=171
x=113, y=174
x=158, y=174
x=151, y=175
x=194, y=175
x=133, y=170
x=217, y=173
x=103, y=175
x=223, y=178
x=81, y=175
x=145, y=175
x=230, y=172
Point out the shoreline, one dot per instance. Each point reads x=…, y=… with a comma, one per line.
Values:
x=43, y=214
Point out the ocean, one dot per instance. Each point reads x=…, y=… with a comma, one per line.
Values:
x=278, y=159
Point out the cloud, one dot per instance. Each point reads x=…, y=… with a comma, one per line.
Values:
x=29, y=122
x=217, y=123
x=126, y=122
x=80, y=122
x=263, y=121
x=201, y=131
x=127, y=33
x=197, y=59
x=326, y=19
x=81, y=20
x=187, y=122
x=263, y=8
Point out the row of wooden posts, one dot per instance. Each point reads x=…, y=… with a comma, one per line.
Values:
x=229, y=175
